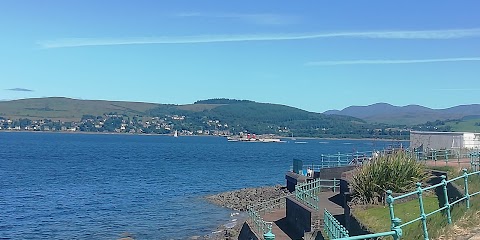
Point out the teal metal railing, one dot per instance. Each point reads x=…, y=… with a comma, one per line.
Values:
x=358, y=158
x=449, y=155
x=335, y=160
x=332, y=227
x=396, y=225
x=257, y=211
x=307, y=193
x=260, y=226
x=447, y=206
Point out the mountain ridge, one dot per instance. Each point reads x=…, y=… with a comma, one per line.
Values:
x=409, y=114
x=217, y=115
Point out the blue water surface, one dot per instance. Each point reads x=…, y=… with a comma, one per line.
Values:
x=100, y=186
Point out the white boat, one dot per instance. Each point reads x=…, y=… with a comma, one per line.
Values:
x=254, y=139
x=175, y=134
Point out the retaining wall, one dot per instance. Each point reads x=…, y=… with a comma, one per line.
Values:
x=298, y=216
x=246, y=233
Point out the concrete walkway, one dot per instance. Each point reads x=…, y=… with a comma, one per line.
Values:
x=275, y=217
x=329, y=200
x=456, y=163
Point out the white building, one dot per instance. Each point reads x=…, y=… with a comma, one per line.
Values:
x=444, y=140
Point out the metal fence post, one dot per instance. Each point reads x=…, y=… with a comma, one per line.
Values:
x=338, y=160
x=446, y=157
x=422, y=211
x=445, y=194
x=390, y=207
x=269, y=235
x=334, y=184
x=322, y=161
x=397, y=229
x=471, y=161
x=458, y=158
x=465, y=181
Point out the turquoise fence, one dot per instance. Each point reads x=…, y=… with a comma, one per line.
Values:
x=335, y=230
x=449, y=155
x=396, y=225
x=332, y=227
x=358, y=158
x=260, y=226
x=307, y=193
x=257, y=211
x=334, y=160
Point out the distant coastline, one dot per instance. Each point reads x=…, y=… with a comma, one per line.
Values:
x=353, y=139
x=154, y=134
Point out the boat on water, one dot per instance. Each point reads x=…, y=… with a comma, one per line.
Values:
x=175, y=134
x=254, y=138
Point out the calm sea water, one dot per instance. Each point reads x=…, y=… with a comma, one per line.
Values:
x=83, y=186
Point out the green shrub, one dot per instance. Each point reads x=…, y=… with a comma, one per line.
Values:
x=397, y=172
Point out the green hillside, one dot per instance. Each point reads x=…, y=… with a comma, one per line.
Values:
x=67, y=109
x=470, y=125
x=467, y=124
x=266, y=118
x=220, y=116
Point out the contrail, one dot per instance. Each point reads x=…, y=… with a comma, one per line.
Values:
x=407, y=61
x=426, y=34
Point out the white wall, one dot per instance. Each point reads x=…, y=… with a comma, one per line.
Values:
x=471, y=140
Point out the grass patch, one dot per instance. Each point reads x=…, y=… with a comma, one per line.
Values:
x=464, y=220
x=377, y=218
x=468, y=125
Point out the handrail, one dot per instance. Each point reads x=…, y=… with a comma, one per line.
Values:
x=396, y=227
x=344, y=159
x=369, y=236
x=448, y=155
x=358, y=158
x=333, y=228
x=254, y=212
x=447, y=206
x=307, y=193
x=260, y=225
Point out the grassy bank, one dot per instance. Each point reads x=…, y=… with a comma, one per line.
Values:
x=377, y=218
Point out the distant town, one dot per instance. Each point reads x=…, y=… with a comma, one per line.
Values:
x=118, y=123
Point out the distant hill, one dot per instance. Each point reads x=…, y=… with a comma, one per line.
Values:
x=67, y=109
x=267, y=118
x=213, y=114
x=409, y=115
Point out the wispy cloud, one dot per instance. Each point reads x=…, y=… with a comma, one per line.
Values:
x=254, y=18
x=19, y=89
x=405, y=61
x=428, y=34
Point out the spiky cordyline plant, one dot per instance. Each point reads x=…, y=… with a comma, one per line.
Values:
x=397, y=172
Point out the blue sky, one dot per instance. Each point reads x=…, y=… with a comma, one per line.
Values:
x=314, y=55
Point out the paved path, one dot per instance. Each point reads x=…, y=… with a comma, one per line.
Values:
x=275, y=217
x=332, y=202
x=462, y=163
x=329, y=200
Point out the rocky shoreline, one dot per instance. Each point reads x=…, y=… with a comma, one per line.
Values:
x=239, y=200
